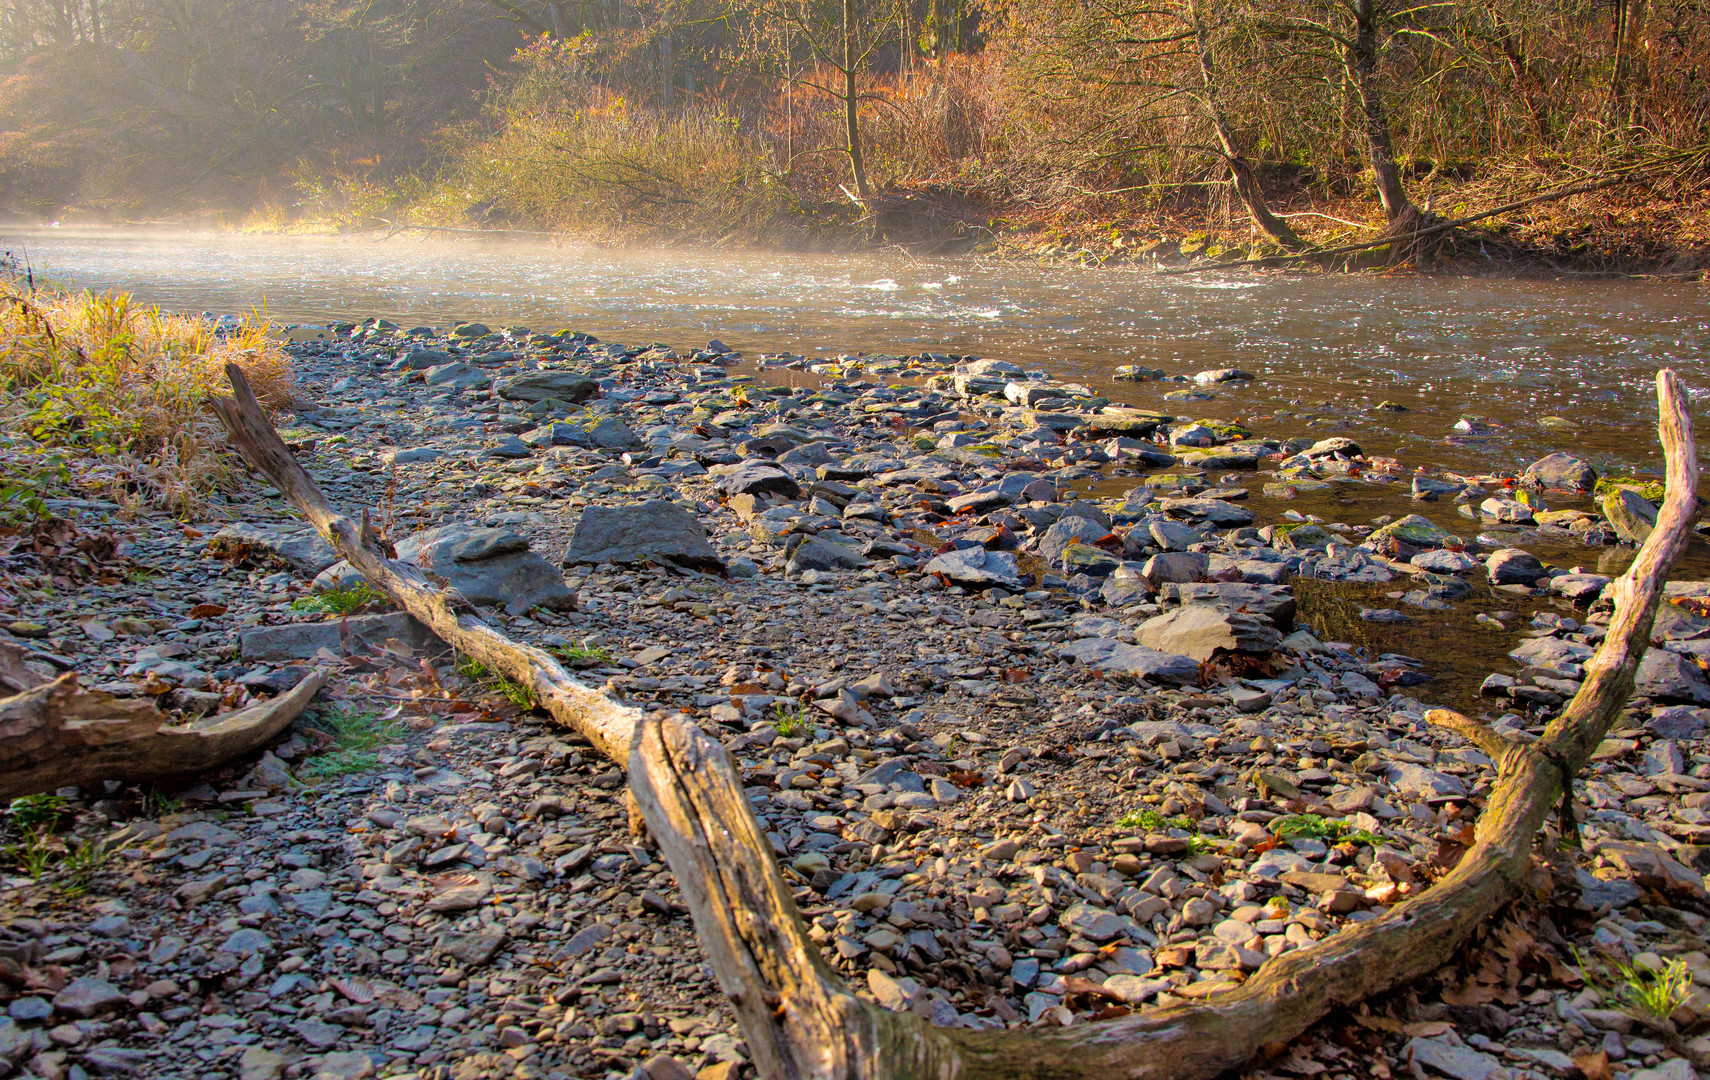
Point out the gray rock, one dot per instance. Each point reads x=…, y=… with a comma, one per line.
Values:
x=756, y=479
x=302, y=641
x=540, y=385
x=1176, y=566
x=1678, y=722
x=1415, y=779
x=979, y=568
x=422, y=359
x=298, y=546
x=508, y=448
x=1200, y=631
x=1217, y=512
x=1173, y=535
x=1513, y=566
x=1135, y=661
x=1670, y=677
x=1580, y=588
x=1443, y=561
x=1274, y=602
x=1550, y=652
x=812, y=553
x=472, y=949
x=88, y=996
x=1066, y=531
x=489, y=567
x=1460, y=1062
x=458, y=376
x=1094, y=924
x=609, y=433
x=656, y=531
x=1561, y=472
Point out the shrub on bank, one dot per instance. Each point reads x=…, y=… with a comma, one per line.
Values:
x=105, y=395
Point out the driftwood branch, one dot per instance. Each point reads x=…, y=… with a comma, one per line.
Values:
x=1495, y=745
x=58, y=734
x=802, y=1023
x=603, y=722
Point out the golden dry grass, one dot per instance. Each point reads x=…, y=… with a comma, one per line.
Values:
x=109, y=393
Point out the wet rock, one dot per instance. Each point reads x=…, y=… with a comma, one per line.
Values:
x=1412, y=531
x=1513, y=566
x=1222, y=375
x=1441, y=561
x=1217, y=512
x=1560, y=472
x=656, y=531
x=1200, y=631
x=1630, y=514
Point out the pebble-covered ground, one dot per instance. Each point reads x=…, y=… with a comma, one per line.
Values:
x=1026, y=759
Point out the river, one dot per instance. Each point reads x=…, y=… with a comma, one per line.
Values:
x=1326, y=349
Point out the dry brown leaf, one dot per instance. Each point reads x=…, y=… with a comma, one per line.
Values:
x=207, y=611
x=1425, y=1029
x=1594, y=1066
x=354, y=989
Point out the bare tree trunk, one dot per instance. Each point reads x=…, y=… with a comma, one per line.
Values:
x=802, y=1023
x=1380, y=151
x=852, y=103
x=1246, y=184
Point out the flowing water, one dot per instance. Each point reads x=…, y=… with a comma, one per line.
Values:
x=1550, y=365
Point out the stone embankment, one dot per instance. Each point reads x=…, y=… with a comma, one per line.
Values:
x=1028, y=756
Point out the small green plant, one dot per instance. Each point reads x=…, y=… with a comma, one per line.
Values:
x=514, y=692
x=83, y=860
x=1314, y=827
x=355, y=736
x=584, y=655
x=31, y=812
x=789, y=722
x=340, y=601
x=470, y=668
x=1154, y=821
x=34, y=854
x=1655, y=992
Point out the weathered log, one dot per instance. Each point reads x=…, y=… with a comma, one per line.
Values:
x=802, y=1023
x=602, y=721
x=58, y=734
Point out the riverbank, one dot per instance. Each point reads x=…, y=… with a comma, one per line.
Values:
x=1042, y=699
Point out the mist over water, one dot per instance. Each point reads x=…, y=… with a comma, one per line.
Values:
x=1326, y=349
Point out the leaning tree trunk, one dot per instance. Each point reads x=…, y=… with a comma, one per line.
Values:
x=1240, y=170
x=802, y=1023
x=602, y=721
x=1380, y=149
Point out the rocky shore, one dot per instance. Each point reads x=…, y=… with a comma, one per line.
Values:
x=1028, y=756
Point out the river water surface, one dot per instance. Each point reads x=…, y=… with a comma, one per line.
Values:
x=1326, y=348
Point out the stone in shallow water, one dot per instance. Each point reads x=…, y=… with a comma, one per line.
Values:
x=1562, y=472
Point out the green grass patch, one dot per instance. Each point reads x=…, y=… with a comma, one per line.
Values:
x=581, y=655
x=1314, y=827
x=1655, y=993
x=356, y=737
x=1154, y=821
x=790, y=722
x=488, y=679
x=341, y=601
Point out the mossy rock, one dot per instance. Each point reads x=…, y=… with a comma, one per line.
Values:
x=1651, y=491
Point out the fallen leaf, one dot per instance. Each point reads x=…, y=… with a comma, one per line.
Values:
x=1594, y=1066
x=356, y=990
x=193, y=534
x=967, y=778
x=207, y=611
x=1425, y=1029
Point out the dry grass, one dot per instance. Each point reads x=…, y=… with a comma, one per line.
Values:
x=107, y=394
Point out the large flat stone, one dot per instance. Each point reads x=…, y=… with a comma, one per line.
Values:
x=1135, y=661
x=1201, y=632
x=299, y=546
x=302, y=641
x=658, y=531
x=540, y=385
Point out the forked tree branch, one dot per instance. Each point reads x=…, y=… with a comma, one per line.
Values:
x=602, y=721
x=802, y=1023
